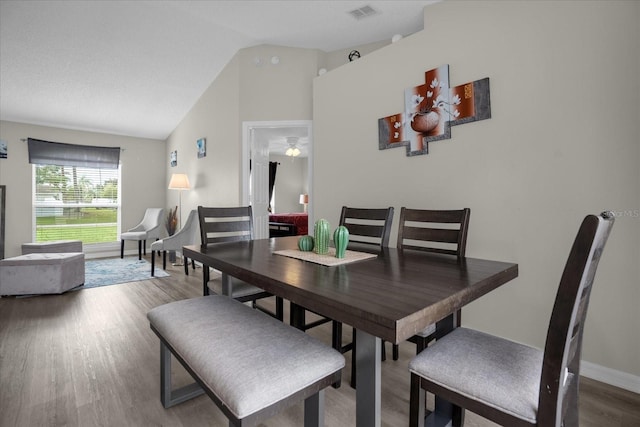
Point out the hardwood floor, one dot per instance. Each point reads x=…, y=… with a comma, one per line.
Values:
x=88, y=358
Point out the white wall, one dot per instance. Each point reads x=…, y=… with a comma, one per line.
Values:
x=563, y=141
x=143, y=176
x=291, y=182
x=243, y=91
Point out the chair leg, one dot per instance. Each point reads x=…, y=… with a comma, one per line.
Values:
x=205, y=280
x=353, y=359
x=144, y=247
x=153, y=263
x=193, y=264
x=121, y=249
x=164, y=260
x=140, y=249
x=186, y=266
x=416, y=403
x=336, y=335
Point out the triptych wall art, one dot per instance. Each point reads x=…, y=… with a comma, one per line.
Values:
x=431, y=109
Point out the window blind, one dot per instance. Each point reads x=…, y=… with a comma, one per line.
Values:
x=61, y=154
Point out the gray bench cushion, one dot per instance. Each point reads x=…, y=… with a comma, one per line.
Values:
x=248, y=359
x=509, y=379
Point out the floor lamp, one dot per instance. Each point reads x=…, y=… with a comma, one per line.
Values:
x=180, y=182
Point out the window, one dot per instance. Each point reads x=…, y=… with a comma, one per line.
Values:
x=75, y=192
x=73, y=203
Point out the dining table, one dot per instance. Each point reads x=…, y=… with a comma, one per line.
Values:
x=386, y=294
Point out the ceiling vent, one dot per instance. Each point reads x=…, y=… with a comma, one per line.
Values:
x=363, y=12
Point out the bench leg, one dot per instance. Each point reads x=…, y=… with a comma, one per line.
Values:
x=314, y=410
x=168, y=397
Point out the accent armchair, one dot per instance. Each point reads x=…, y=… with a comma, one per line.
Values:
x=150, y=227
x=187, y=235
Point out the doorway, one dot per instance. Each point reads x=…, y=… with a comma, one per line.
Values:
x=259, y=139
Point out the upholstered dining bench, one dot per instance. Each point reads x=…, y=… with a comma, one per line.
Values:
x=251, y=365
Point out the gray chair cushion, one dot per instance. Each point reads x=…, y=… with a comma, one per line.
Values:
x=239, y=289
x=250, y=360
x=429, y=330
x=497, y=372
x=134, y=235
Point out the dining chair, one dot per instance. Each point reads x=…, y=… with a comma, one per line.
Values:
x=150, y=227
x=231, y=224
x=366, y=226
x=511, y=383
x=187, y=235
x=438, y=231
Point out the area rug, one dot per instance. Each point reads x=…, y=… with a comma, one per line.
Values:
x=111, y=271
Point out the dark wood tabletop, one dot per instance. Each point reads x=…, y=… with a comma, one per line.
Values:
x=389, y=297
x=392, y=296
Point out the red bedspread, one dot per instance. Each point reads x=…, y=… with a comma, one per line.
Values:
x=301, y=220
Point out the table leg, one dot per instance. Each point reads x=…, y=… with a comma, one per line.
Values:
x=368, y=392
x=297, y=316
x=227, y=288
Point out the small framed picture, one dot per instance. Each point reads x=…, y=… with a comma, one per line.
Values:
x=201, y=144
x=174, y=158
x=3, y=149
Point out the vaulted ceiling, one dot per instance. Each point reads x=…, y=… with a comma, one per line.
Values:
x=137, y=67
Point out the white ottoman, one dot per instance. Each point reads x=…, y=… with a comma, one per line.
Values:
x=42, y=273
x=58, y=246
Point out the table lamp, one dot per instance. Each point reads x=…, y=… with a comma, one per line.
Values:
x=304, y=200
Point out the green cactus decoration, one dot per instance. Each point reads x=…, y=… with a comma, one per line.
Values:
x=321, y=232
x=305, y=243
x=341, y=240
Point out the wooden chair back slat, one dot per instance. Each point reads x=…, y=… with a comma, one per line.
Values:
x=367, y=225
x=420, y=228
x=226, y=224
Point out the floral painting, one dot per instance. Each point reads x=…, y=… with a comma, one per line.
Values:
x=431, y=109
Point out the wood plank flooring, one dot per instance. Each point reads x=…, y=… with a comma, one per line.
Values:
x=88, y=358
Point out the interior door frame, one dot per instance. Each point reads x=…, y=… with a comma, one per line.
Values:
x=247, y=128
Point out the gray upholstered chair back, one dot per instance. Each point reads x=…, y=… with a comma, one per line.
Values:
x=151, y=223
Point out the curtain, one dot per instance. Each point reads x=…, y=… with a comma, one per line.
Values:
x=273, y=167
x=60, y=154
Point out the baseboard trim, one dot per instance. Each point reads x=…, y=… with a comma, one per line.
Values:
x=610, y=376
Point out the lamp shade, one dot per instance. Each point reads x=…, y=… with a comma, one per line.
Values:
x=304, y=199
x=179, y=181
